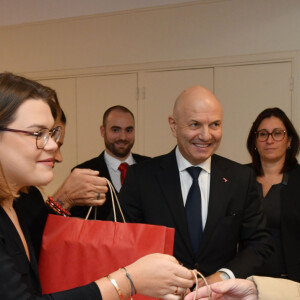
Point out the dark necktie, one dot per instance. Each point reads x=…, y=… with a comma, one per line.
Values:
x=123, y=169
x=193, y=209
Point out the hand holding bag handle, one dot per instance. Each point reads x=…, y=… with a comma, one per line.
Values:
x=114, y=198
x=196, y=273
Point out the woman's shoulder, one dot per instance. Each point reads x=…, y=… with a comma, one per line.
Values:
x=295, y=171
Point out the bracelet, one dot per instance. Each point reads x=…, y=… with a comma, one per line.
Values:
x=56, y=207
x=114, y=283
x=133, y=290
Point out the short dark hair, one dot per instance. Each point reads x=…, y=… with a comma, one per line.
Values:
x=290, y=158
x=117, y=108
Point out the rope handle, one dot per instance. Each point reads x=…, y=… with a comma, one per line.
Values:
x=114, y=198
x=196, y=273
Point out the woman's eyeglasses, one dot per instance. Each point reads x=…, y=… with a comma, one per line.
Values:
x=42, y=135
x=277, y=135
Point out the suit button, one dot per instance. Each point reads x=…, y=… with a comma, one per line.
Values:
x=197, y=266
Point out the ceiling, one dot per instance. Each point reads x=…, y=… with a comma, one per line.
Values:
x=14, y=12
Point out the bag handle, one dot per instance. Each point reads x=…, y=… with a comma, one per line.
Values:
x=114, y=198
x=196, y=273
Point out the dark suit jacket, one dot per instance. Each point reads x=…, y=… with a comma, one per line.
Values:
x=19, y=278
x=290, y=223
x=98, y=164
x=234, y=236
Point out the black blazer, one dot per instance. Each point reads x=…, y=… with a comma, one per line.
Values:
x=290, y=223
x=234, y=236
x=98, y=164
x=19, y=278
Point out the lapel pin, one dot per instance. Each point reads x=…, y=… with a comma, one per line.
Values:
x=225, y=180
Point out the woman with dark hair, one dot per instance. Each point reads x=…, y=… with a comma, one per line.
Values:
x=28, y=142
x=273, y=144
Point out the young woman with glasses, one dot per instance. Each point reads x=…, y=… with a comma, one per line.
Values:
x=273, y=144
x=28, y=141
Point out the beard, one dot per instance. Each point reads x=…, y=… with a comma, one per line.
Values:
x=120, y=148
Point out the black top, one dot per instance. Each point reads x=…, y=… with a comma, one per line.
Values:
x=275, y=266
x=287, y=231
x=19, y=278
x=34, y=213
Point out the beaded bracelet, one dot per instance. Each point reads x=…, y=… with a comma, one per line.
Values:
x=133, y=290
x=56, y=207
x=114, y=283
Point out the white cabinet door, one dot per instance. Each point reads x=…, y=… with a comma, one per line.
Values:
x=66, y=91
x=94, y=95
x=158, y=93
x=244, y=92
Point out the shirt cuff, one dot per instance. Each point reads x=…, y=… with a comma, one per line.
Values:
x=228, y=272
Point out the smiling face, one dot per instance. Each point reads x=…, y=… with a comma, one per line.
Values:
x=22, y=163
x=271, y=150
x=197, y=124
x=118, y=134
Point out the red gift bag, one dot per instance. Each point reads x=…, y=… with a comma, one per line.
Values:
x=75, y=252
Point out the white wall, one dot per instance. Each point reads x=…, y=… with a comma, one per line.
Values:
x=201, y=30
x=19, y=11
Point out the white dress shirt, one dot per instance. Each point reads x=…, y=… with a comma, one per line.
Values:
x=186, y=181
x=113, y=165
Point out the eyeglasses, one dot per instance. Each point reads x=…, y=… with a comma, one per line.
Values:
x=277, y=135
x=42, y=136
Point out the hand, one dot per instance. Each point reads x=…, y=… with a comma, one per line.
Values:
x=160, y=276
x=81, y=188
x=232, y=289
x=210, y=279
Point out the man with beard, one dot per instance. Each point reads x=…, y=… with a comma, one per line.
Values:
x=117, y=130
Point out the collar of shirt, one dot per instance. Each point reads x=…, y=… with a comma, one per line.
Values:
x=183, y=163
x=114, y=163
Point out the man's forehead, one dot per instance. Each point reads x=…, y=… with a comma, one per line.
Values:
x=119, y=115
x=202, y=116
x=120, y=120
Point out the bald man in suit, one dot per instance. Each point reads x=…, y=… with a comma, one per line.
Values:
x=220, y=231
